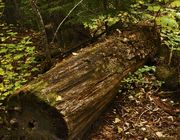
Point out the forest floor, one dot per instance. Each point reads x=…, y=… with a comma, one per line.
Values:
x=140, y=113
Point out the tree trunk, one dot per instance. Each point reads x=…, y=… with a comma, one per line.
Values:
x=10, y=12
x=65, y=101
x=41, y=26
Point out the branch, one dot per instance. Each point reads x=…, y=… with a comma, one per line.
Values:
x=55, y=34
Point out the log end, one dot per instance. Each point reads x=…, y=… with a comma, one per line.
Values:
x=32, y=119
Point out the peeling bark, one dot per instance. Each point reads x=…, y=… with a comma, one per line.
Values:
x=65, y=101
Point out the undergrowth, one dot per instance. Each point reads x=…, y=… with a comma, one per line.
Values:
x=143, y=77
x=17, y=60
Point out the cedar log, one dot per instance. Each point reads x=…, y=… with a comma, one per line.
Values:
x=66, y=100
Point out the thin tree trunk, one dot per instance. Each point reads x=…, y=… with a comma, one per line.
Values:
x=42, y=29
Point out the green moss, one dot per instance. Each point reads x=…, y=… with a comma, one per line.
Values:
x=49, y=97
x=38, y=86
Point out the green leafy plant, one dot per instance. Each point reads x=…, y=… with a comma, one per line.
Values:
x=97, y=24
x=17, y=61
x=142, y=78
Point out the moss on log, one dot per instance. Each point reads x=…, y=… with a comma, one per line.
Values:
x=65, y=101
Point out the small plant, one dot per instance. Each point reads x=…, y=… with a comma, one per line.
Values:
x=97, y=25
x=142, y=78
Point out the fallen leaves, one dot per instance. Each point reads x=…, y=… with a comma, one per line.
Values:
x=117, y=120
x=136, y=115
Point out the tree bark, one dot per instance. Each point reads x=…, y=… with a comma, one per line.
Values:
x=65, y=101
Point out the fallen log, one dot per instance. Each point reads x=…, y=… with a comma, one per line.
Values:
x=65, y=101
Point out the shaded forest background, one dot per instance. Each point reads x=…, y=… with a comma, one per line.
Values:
x=37, y=34
x=88, y=21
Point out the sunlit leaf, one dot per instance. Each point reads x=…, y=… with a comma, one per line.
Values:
x=3, y=50
x=155, y=8
x=18, y=56
x=175, y=3
x=165, y=21
x=1, y=71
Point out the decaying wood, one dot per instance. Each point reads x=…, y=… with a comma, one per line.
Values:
x=65, y=101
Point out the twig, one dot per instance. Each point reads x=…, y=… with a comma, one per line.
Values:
x=170, y=55
x=55, y=34
x=142, y=114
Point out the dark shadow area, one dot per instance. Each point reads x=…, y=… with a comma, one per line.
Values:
x=31, y=119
